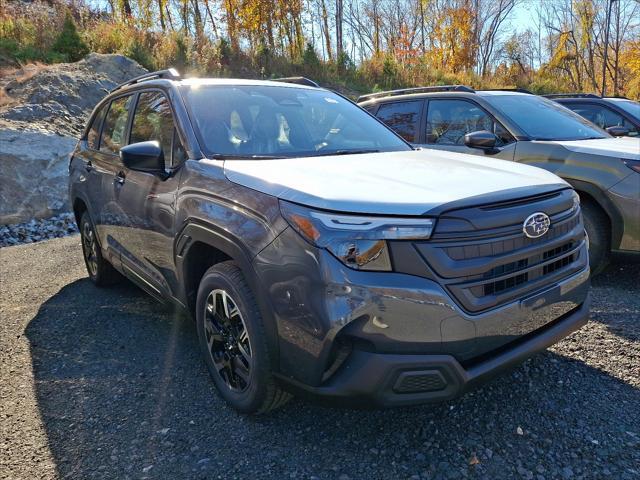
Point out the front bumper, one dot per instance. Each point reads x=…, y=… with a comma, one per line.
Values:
x=370, y=379
x=343, y=332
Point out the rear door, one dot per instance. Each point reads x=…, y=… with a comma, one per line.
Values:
x=146, y=201
x=448, y=120
x=90, y=165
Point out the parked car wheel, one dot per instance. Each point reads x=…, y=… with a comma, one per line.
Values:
x=232, y=340
x=596, y=224
x=100, y=271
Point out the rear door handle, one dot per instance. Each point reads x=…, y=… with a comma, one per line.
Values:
x=119, y=180
x=88, y=166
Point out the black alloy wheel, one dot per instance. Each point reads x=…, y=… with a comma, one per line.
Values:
x=228, y=340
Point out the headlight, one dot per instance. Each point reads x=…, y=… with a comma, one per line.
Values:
x=358, y=241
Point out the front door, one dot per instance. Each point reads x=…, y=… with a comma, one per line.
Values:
x=147, y=201
x=449, y=120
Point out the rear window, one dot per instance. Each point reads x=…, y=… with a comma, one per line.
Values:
x=115, y=125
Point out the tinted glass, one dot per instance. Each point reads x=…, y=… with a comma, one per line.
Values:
x=93, y=137
x=629, y=106
x=542, y=119
x=178, y=153
x=115, y=125
x=448, y=121
x=250, y=120
x=403, y=117
x=153, y=120
x=601, y=116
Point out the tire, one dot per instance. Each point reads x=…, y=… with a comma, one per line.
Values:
x=232, y=341
x=596, y=223
x=100, y=271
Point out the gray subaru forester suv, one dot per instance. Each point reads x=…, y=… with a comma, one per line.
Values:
x=317, y=251
x=519, y=126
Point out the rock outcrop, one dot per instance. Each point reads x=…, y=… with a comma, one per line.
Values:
x=43, y=112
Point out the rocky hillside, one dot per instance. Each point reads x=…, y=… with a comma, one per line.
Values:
x=43, y=110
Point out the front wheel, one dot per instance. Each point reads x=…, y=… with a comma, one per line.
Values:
x=596, y=225
x=232, y=340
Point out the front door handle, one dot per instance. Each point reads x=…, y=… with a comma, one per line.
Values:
x=119, y=180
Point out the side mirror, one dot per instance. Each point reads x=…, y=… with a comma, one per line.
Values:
x=617, y=131
x=481, y=139
x=144, y=157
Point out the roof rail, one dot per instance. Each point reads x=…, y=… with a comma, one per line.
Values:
x=508, y=89
x=170, y=74
x=298, y=80
x=572, y=95
x=621, y=97
x=407, y=91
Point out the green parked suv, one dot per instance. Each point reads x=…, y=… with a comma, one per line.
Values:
x=513, y=125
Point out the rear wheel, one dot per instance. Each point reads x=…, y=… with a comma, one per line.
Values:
x=100, y=271
x=232, y=340
x=596, y=223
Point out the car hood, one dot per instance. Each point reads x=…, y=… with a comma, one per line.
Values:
x=621, y=147
x=396, y=183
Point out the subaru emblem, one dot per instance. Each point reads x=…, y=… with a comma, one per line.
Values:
x=536, y=225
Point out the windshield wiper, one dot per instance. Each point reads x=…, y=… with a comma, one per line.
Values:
x=234, y=156
x=344, y=152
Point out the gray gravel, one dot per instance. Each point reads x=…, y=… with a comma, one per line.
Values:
x=38, y=230
x=109, y=384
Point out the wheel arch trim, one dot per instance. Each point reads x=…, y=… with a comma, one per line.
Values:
x=194, y=232
x=602, y=200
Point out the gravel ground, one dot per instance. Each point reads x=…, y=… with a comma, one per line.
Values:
x=109, y=384
x=38, y=230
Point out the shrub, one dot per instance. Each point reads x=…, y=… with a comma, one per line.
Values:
x=69, y=42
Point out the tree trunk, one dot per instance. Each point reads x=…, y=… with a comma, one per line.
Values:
x=339, y=38
x=327, y=33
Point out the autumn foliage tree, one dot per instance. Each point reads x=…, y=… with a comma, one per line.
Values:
x=360, y=44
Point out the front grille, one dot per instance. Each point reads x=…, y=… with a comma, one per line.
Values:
x=500, y=286
x=509, y=283
x=484, y=268
x=557, y=265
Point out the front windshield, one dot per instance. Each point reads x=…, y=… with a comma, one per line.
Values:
x=629, y=106
x=262, y=121
x=542, y=119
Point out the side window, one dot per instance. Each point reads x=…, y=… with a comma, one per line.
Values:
x=115, y=125
x=403, y=117
x=449, y=120
x=93, y=136
x=600, y=115
x=153, y=121
x=371, y=108
x=178, y=153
